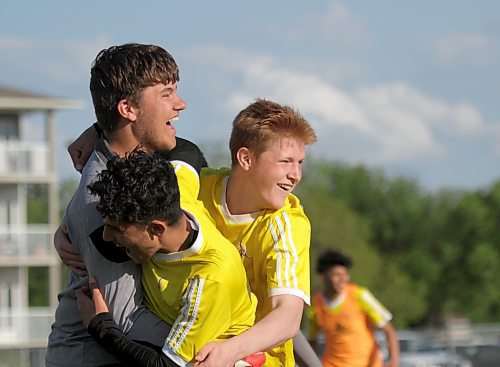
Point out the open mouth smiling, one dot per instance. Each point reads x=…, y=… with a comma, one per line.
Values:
x=285, y=187
x=169, y=122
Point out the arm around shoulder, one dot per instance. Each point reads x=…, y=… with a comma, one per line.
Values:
x=81, y=149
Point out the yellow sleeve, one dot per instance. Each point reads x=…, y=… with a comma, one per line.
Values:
x=188, y=181
x=287, y=254
x=205, y=314
x=312, y=323
x=375, y=311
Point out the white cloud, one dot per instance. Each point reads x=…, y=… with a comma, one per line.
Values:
x=390, y=122
x=456, y=48
x=308, y=93
x=460, y=118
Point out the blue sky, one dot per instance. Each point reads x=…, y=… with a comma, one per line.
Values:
x=409, y=87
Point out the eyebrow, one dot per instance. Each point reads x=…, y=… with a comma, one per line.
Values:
x=113, y=226
x=168, y=89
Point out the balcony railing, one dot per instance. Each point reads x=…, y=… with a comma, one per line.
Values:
x=17, y=157
x=33, y=243
x=25, y=327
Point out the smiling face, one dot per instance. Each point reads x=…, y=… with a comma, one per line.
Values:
x=276, y=172
x=159, y=106
x=140, y=246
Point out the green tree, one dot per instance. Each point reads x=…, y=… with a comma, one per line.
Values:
x=38, y=205
x=327, y=194
x=38, y=280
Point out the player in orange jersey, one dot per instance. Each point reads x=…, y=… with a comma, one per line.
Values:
x=347, y=315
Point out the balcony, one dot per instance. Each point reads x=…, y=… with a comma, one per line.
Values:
x=32, y=246
x=27, y=327
x=19, y=158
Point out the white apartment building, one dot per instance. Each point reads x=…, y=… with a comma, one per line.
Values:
x=25, y=165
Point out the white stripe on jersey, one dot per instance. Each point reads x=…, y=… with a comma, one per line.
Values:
x=188, y=313
x=294, y=251
x=287, y=241
x=372, y=302
x=276, y=249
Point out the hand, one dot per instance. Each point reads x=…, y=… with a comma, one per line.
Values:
x=90, y=301
x=69, y=256
x=215, y=354
x=81, y=149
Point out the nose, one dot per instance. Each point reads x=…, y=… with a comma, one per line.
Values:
x=296, y=173
x=180, y=104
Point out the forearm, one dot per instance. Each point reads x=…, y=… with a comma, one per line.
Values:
x=130, y=353
x=278, y=326
x=393, y=344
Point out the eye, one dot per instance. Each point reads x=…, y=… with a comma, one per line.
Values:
x=168, y=92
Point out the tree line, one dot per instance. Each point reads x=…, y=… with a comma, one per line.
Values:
x=426, y=256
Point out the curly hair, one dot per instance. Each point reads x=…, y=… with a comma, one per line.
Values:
x=122, y=72
x=138, y=188
x=332, y=258
x=264, y=121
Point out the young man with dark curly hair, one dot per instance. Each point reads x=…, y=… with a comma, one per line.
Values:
x=192, y=276
x=347, y=314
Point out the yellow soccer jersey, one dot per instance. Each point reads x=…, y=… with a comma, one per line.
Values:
x=202, y=291
x=274, y=246
x=187, y=180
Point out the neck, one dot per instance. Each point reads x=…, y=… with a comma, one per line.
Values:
x=122, y=140
x=188, y=241
x=179, y=237
x=240, y=198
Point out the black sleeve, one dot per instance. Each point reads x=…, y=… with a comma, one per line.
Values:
x=188, y=152
x=129, y=352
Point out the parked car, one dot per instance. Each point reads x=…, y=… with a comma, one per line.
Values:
x=481, y=355
x=418, y=351
x=433, y=358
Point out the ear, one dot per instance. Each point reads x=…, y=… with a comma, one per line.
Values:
x=127, y=110
x=157, y=228
x=245, y=158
